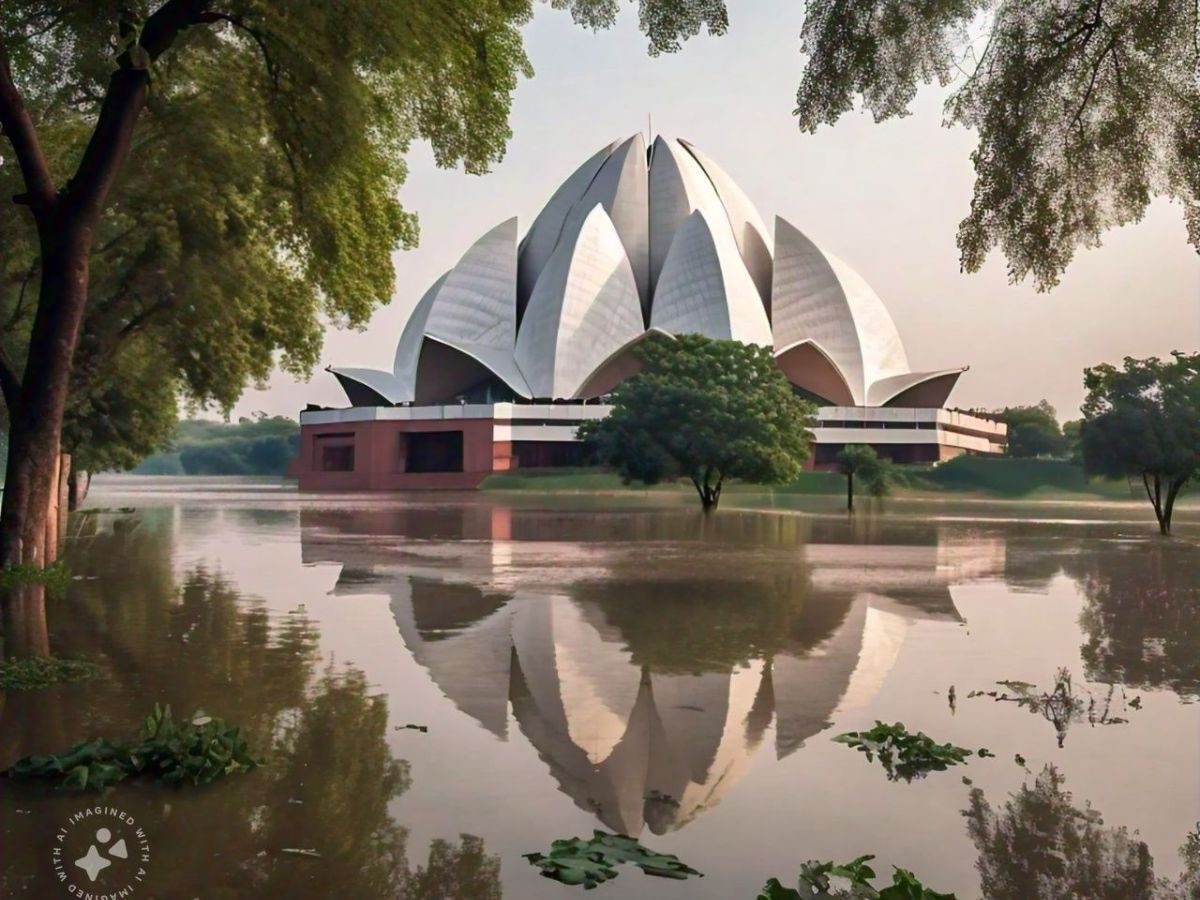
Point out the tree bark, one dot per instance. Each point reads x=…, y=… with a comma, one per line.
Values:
x=35, y=427
x=66, y=223
x=77, y=488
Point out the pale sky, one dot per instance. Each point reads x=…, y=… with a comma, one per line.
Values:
x=886, y=198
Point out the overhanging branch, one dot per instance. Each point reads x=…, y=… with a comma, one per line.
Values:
x=110, y=141
x=18, y=127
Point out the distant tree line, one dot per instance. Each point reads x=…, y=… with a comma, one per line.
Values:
x=258, y=446
x=1034, y=431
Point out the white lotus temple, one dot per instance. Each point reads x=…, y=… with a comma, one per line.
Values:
x=522, y=340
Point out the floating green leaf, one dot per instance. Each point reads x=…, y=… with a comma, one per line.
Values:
x=199, y=751
x=848, y=881
x=594, y=861
x=904, y=755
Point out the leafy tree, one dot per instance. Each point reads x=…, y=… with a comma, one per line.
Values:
x=1032, y=430
x=213, y=181
x=1084, y=111
x=126, y=413
x=874, y=471
x=1071, y=430
x=705, y=410
x=1143, y=420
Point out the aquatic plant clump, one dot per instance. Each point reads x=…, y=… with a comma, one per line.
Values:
x=1063, y=704
x=55, y=577
x=851, y=881
x=31, y=673
x=198, y=751
x=594, y=861
x=905, y=755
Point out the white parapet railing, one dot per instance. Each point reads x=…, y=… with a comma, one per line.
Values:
x=506, y=412
x=559, y=421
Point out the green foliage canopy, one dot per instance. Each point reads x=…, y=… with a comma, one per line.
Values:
x=1143, y=420
x=705, y=410
x=1085, y=111
x=260, y=198
x=1032, y=430
x=861, y=461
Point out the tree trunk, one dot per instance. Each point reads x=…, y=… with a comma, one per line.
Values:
x=77, y=488
x=849, y=492
x=66, y=222
x=710, y=494
x=1173, y=489
x=35, y=426
x=63, y=500
x=51, y=543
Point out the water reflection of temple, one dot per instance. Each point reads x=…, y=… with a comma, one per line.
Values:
x=648, y=680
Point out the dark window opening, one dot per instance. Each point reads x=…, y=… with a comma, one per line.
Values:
x=432, y=451
x=337, y=457
x=549, y=454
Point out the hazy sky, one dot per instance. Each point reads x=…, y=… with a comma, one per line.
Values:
x=885, y=198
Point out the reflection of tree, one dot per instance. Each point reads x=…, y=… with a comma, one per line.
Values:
x=330, y=783
x=23, y=621
x=1189, y=882
x=1030, y=567
x=456, y=872
x=1041, y=847
x=195, y=645
x=702, y=625
x=328, y=776
x=1143, y=615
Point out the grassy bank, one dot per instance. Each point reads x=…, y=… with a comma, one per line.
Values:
x=990, y=477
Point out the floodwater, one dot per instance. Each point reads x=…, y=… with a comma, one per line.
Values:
x=620, y=663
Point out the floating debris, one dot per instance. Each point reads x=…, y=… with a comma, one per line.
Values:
x=1063, y=704
x=300, y=851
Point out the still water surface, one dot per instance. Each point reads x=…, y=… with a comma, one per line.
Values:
x=619, y=663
